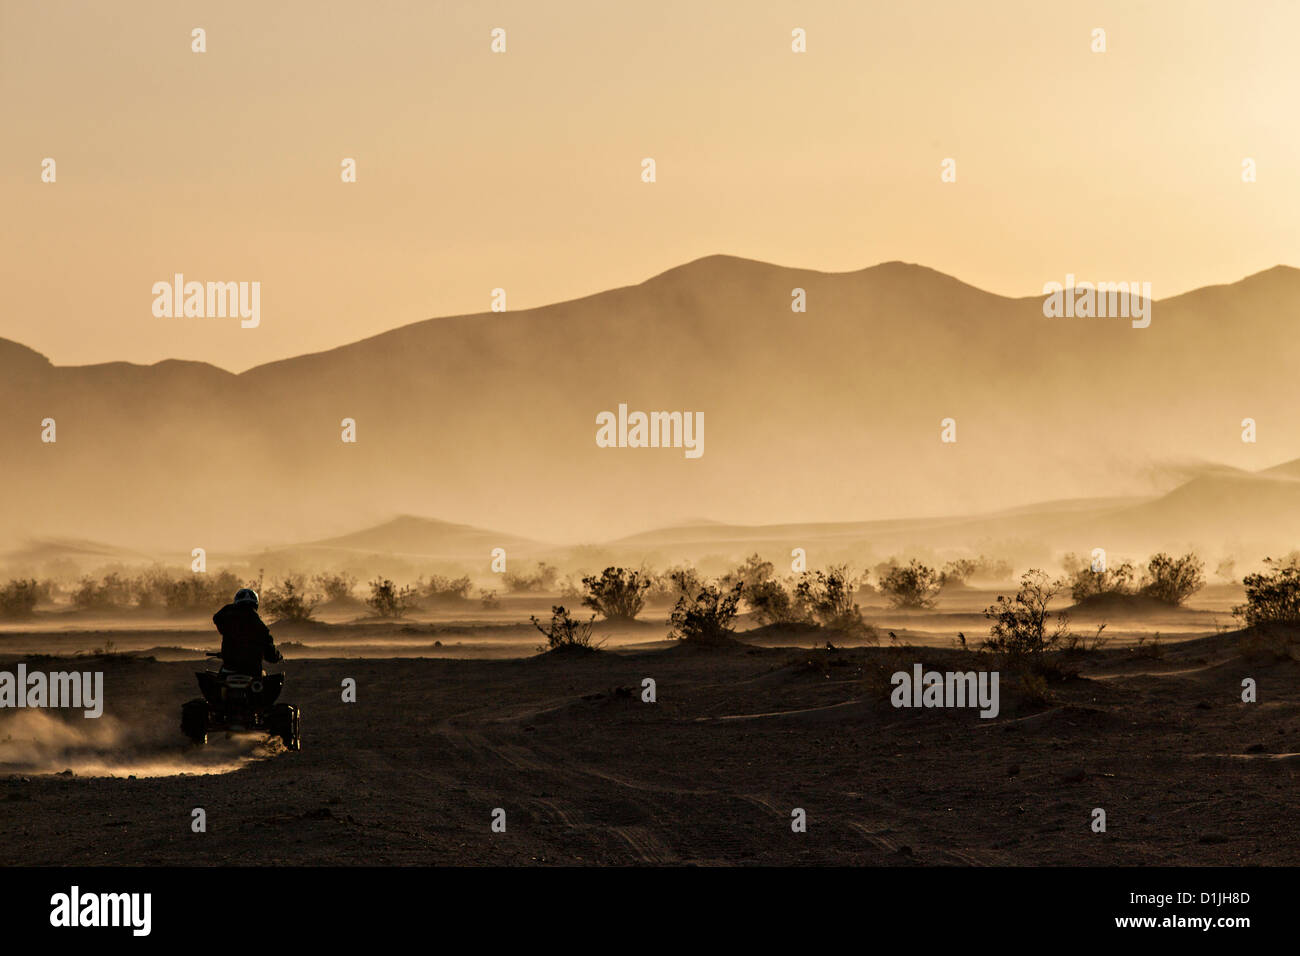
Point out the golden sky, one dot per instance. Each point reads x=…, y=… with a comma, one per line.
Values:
x=522, y=170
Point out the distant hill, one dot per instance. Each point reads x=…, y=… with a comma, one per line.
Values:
x=1289, y=469
x=411, y=536
x=1250, y=515
x=832, y=413
x=1015, y=533
x=74, y=555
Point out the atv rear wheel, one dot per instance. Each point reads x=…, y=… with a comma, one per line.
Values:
x=284, y=723
x=194, y=720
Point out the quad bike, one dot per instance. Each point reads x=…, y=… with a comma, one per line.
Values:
x=240, y=703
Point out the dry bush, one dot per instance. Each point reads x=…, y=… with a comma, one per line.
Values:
x=336, y=587
x=617, y=595
x=290, y=600
x=388, y=600
x=706, y=618
x=774, y=602
x=18, y=598
x=828, y=597
x=541, y=580
x=914, y=586
x=1020, y=626
x=1272, y=596
x=1173, y=580
x=444, y=590
x=752, y=573
x=564, y=631
x=1088, y=585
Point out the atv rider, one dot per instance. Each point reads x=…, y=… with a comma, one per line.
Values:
x=245, y=639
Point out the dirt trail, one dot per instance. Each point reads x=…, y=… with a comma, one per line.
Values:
x=412, y=772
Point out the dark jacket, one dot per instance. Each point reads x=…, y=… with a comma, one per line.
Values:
x=245, y=640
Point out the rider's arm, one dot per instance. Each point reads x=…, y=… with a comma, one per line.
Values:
x=269, y=651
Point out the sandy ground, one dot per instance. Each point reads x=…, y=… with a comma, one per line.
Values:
x=708, y=774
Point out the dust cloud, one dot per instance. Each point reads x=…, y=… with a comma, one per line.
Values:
x=37, y=742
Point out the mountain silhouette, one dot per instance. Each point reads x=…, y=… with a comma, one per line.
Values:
x=816, y=416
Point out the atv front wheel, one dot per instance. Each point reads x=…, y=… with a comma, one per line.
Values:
x=284, y=723
x=194, y=721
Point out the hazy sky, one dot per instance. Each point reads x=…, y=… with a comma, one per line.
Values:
x=522, y=170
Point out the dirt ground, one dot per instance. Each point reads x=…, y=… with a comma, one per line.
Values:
x=708, y=774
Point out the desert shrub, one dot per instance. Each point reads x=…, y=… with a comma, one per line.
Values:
x=388, y=600
x=488, y=598
x=571, y=588
x=1272, y=596
x=881, y=570
x=1072, y=643
x=112, y=591
x=149, y=588
x=956, y=573
x=18, y=598
x=1020, y=624
x=540, y=580
x=992, y=569
x=1088, y=584
x=202, y=591
x=1033, y=689
x=1149, y=648
x=774, y=603
x=290, y=601
x=678, y=582
x=706, y=618
x=443, y=590
x=915, y=586
x=961, y=572
x=1173, y=580
x=751, y=573
x=828, y=597
x=564, y=631
x=335, y=587
x=618, y=594
x=1226, y=569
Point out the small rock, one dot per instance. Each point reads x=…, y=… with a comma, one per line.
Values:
x=1013, y=770
x=1255, y=749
